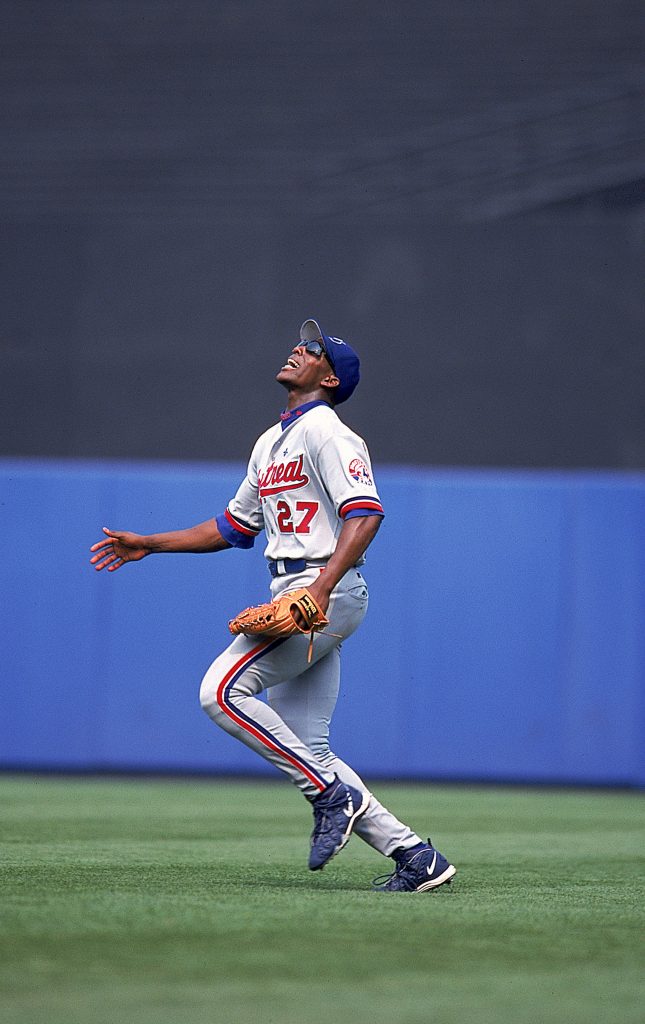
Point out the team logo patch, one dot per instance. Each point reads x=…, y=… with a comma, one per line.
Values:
x=359, y=472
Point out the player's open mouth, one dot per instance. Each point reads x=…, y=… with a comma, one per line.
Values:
x=290, y=364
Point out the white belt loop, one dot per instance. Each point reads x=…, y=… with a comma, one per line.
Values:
x=280, y=566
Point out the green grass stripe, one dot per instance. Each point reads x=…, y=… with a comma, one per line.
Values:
x=160, y=901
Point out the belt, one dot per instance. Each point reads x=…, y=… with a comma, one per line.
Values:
x=285, y=566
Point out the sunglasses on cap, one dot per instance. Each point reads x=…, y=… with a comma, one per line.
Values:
x=316, y=348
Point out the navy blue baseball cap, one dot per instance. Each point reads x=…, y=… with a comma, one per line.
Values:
x=340, y=356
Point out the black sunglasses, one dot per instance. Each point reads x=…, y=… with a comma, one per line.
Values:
x=316, y=348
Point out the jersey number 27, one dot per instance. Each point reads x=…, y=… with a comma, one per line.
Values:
x=302, y=522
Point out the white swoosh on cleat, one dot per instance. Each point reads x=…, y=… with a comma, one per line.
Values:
x=430, y=870
x=348, y=813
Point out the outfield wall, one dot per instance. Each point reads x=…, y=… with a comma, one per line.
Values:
x=513, y=604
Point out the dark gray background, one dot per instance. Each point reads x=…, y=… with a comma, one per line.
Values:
x=456, y=188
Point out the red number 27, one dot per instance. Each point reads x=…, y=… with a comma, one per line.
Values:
x=285, y=516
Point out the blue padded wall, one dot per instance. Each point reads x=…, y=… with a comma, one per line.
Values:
x=504, y=640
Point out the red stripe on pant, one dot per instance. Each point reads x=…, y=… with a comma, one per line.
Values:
x=238, y=667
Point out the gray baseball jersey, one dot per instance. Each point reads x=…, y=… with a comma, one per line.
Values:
x=304, y=478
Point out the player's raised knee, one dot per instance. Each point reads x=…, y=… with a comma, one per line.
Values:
x=208, y=695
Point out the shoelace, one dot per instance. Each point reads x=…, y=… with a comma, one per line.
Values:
x=382, y=880
x=400, y=872
x=322, y=817
x=318, y=823
x=403, y=870
x=322, y=822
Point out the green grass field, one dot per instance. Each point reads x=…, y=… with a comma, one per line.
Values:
x=160, y=901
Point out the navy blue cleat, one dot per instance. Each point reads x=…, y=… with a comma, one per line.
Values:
x=336, y=811
x=417, y=870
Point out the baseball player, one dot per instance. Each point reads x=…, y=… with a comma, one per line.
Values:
x=309, y=486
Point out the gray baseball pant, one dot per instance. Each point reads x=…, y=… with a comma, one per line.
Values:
x=292, y=729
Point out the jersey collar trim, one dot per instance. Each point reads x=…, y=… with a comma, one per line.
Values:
x=290, y=416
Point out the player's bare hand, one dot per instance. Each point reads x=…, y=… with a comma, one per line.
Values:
x=320, y=592
x=118, y=548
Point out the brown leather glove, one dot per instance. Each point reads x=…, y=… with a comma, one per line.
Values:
x=294, y=612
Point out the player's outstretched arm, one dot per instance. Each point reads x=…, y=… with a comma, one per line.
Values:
x=121, y=546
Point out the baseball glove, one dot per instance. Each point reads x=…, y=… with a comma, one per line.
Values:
x=294, y=612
